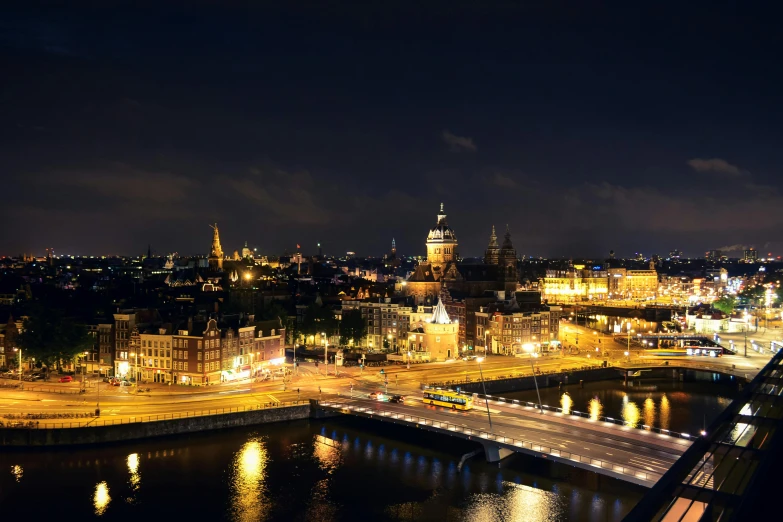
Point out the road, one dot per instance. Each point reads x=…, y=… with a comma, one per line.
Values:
x=640, y=450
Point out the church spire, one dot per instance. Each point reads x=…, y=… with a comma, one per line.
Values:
x=216, y=252
x=493, y=250
x=441, y=216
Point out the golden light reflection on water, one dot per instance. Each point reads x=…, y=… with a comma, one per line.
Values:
x=248, y=491
x=133, y=469
x=649, y=412
x=595, y=408
x=328, y=452
x=665, y=413
x=101, y=498
x=566, y=403
x=631, y=414
x=17, y=472
x=518, y=502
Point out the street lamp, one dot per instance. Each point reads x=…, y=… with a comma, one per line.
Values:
x=630, y=331
x=627, y=356
x=326, y=353
x=20, y=363
x=529, y=348
x=484, y=386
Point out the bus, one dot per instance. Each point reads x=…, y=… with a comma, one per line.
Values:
x=448, y=399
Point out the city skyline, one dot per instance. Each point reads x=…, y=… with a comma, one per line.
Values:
x=290, y=126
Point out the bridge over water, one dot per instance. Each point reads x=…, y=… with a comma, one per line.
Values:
x=604, y=446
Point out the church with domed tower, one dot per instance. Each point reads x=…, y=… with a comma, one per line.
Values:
x=443, y=269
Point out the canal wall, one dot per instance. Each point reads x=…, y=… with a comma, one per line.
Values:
x=513, y=384
x=45, y=437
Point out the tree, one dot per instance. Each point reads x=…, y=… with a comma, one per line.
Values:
x=318, y=319
x=725, y=304
x=353, y=327
x=51, y=338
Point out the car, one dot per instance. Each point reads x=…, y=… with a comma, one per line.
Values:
x=397, y=398
x=376, y=396
x=66, y=378
x=470, y=357
x=124, y=383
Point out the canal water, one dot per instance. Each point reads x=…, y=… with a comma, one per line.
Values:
x=686, y=406
x=341, y=469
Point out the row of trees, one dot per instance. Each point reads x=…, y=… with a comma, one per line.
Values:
x=51, y=338
x=319, y=319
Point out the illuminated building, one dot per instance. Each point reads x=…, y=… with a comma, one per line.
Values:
x=216, y=252
x=124, y=325
x=435, y=335
x=750, y=255
x=155, y=356
x=507, y=332
x=574, y=284
x=633, y=284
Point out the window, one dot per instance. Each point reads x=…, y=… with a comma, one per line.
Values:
x=156, y=344
x=437, y=339
x=185, y=366
x=168, y=353
x=199, y=357
x=156, y=364
x=168, y=364
x=156, y=353
x=198, y=367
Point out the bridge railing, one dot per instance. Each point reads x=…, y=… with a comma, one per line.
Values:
x=585, y=415
x=501, y=439
x=42, y=421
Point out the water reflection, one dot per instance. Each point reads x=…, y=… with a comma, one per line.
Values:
x=328, y=453
x=666, y=411
x=630, y=413
x=248, y=493
x=565, y=403
x=517, y=502
x=17, y=472
x=133, y=469
x=649, y=412
x=101, y=498
x=595, y=408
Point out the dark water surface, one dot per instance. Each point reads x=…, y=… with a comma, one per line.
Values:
x=337, y=470
x=684, y=406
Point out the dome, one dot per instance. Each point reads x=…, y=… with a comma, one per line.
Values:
x=441, y=233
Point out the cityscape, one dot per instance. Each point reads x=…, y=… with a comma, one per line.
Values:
x=248, y=257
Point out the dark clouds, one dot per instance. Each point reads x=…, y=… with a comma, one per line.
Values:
x=583, y=129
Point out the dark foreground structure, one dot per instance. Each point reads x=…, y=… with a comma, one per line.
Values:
x=731, y=473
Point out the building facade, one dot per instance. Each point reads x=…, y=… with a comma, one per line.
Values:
x=124, y=324
x=435, y=335
x=576, y=283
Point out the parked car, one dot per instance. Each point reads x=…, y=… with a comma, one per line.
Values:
x=66, y=378
x=397, y=398
x=125, y=383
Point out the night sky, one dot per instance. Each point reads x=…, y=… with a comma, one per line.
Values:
x=585, y=129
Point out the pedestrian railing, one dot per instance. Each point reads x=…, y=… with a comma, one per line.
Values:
x=510, y=442
x=96, y=422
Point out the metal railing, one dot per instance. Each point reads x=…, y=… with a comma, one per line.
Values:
x=513, y=443
x=99, y=422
